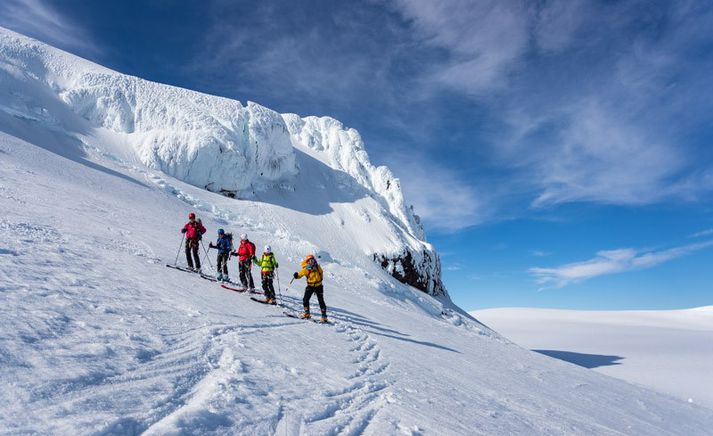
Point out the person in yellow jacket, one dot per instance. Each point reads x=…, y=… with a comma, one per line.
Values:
x=313, y=272
x=268, y=264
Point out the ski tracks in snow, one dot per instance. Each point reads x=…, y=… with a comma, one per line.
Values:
x=350, y=410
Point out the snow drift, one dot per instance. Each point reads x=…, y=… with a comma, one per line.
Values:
x=210, y=142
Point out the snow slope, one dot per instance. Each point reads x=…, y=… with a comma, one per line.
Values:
x=215, y=143
x=670, y=351
x=98, y=337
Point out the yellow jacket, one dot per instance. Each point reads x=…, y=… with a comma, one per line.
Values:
x=314, y=276
x=267, y=262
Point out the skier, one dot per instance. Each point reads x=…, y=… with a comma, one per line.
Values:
x=245, y=253
x=194, y=232
x=268, y=265
x=224, y=245
x=313, y=272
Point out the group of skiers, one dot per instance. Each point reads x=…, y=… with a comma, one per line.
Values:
x=194, y=230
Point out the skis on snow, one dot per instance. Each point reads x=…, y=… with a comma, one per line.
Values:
x=260, y=300
x=230, y=288
x=298, y=316
x=191, y=271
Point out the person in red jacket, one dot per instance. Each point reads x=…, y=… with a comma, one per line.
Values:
x=245, y=254
x=194, y=232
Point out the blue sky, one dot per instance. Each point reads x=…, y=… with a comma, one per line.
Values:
x=559, y=151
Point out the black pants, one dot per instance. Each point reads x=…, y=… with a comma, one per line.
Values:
x=246, y=276
x=319, y=290
x=267, y=285
x=222, y=262
x=192, y=247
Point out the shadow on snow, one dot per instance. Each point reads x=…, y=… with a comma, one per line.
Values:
x=585, y=360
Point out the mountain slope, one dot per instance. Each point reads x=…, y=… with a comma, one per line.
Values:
x=217, y=144
x=97, y=336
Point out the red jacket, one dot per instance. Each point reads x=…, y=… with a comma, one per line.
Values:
x=193, y=230
x=246, y=250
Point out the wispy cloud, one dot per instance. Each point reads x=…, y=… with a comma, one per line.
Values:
x=440, y=195
x=38, y=19
x=594, y=103
x=611, y=262
x=483, y=39
x=702, y=233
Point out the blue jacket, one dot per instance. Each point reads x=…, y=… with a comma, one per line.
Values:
x=224, y=245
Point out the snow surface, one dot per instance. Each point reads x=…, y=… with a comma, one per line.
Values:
x=97, y=336
x=668, y=350
x=210, y=142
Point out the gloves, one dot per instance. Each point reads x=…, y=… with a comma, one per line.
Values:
x=184, y=230
x=210, y=245
x=296, y=275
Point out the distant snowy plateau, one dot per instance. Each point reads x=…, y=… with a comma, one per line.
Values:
x=668, y=350
x=98, y=171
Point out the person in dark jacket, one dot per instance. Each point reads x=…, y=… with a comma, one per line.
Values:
x=194, y=232
x=224, y=245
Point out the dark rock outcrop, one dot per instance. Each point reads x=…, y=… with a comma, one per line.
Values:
x=422, y=270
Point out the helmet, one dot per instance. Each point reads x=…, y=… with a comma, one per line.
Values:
x=191, y=216
x=221, y=231
x=243, y=236
x=268, y=249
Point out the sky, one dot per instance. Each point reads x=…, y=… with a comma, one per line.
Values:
x=559, y=152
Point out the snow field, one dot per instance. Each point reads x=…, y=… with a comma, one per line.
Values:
x=668, y=350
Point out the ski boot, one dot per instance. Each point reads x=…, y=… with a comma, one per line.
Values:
x=306, y=315
x=323, y=318
x=226, y=279
x=220, y=277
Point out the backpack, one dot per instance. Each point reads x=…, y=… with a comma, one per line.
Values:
x=229, y=237
x=200, y=235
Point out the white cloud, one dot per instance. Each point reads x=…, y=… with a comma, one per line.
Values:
x=611, y=262
x=483, y=39
x=540, y=253
x=600, y=157
x=440, y=197
x=595, y=106
x=37, y=19
x=702, y=233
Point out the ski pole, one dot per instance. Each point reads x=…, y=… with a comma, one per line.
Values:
x=279, y=291
x=179, y=249
x=206, y=256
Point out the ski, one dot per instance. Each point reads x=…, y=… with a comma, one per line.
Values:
x=181, y=268
x=209, y=278
x=224, y=286
x=262, y=301
x=298, y=316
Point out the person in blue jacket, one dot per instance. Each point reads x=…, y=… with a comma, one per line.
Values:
x=224, y=245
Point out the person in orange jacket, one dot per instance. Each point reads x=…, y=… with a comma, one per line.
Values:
x=313, y=272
